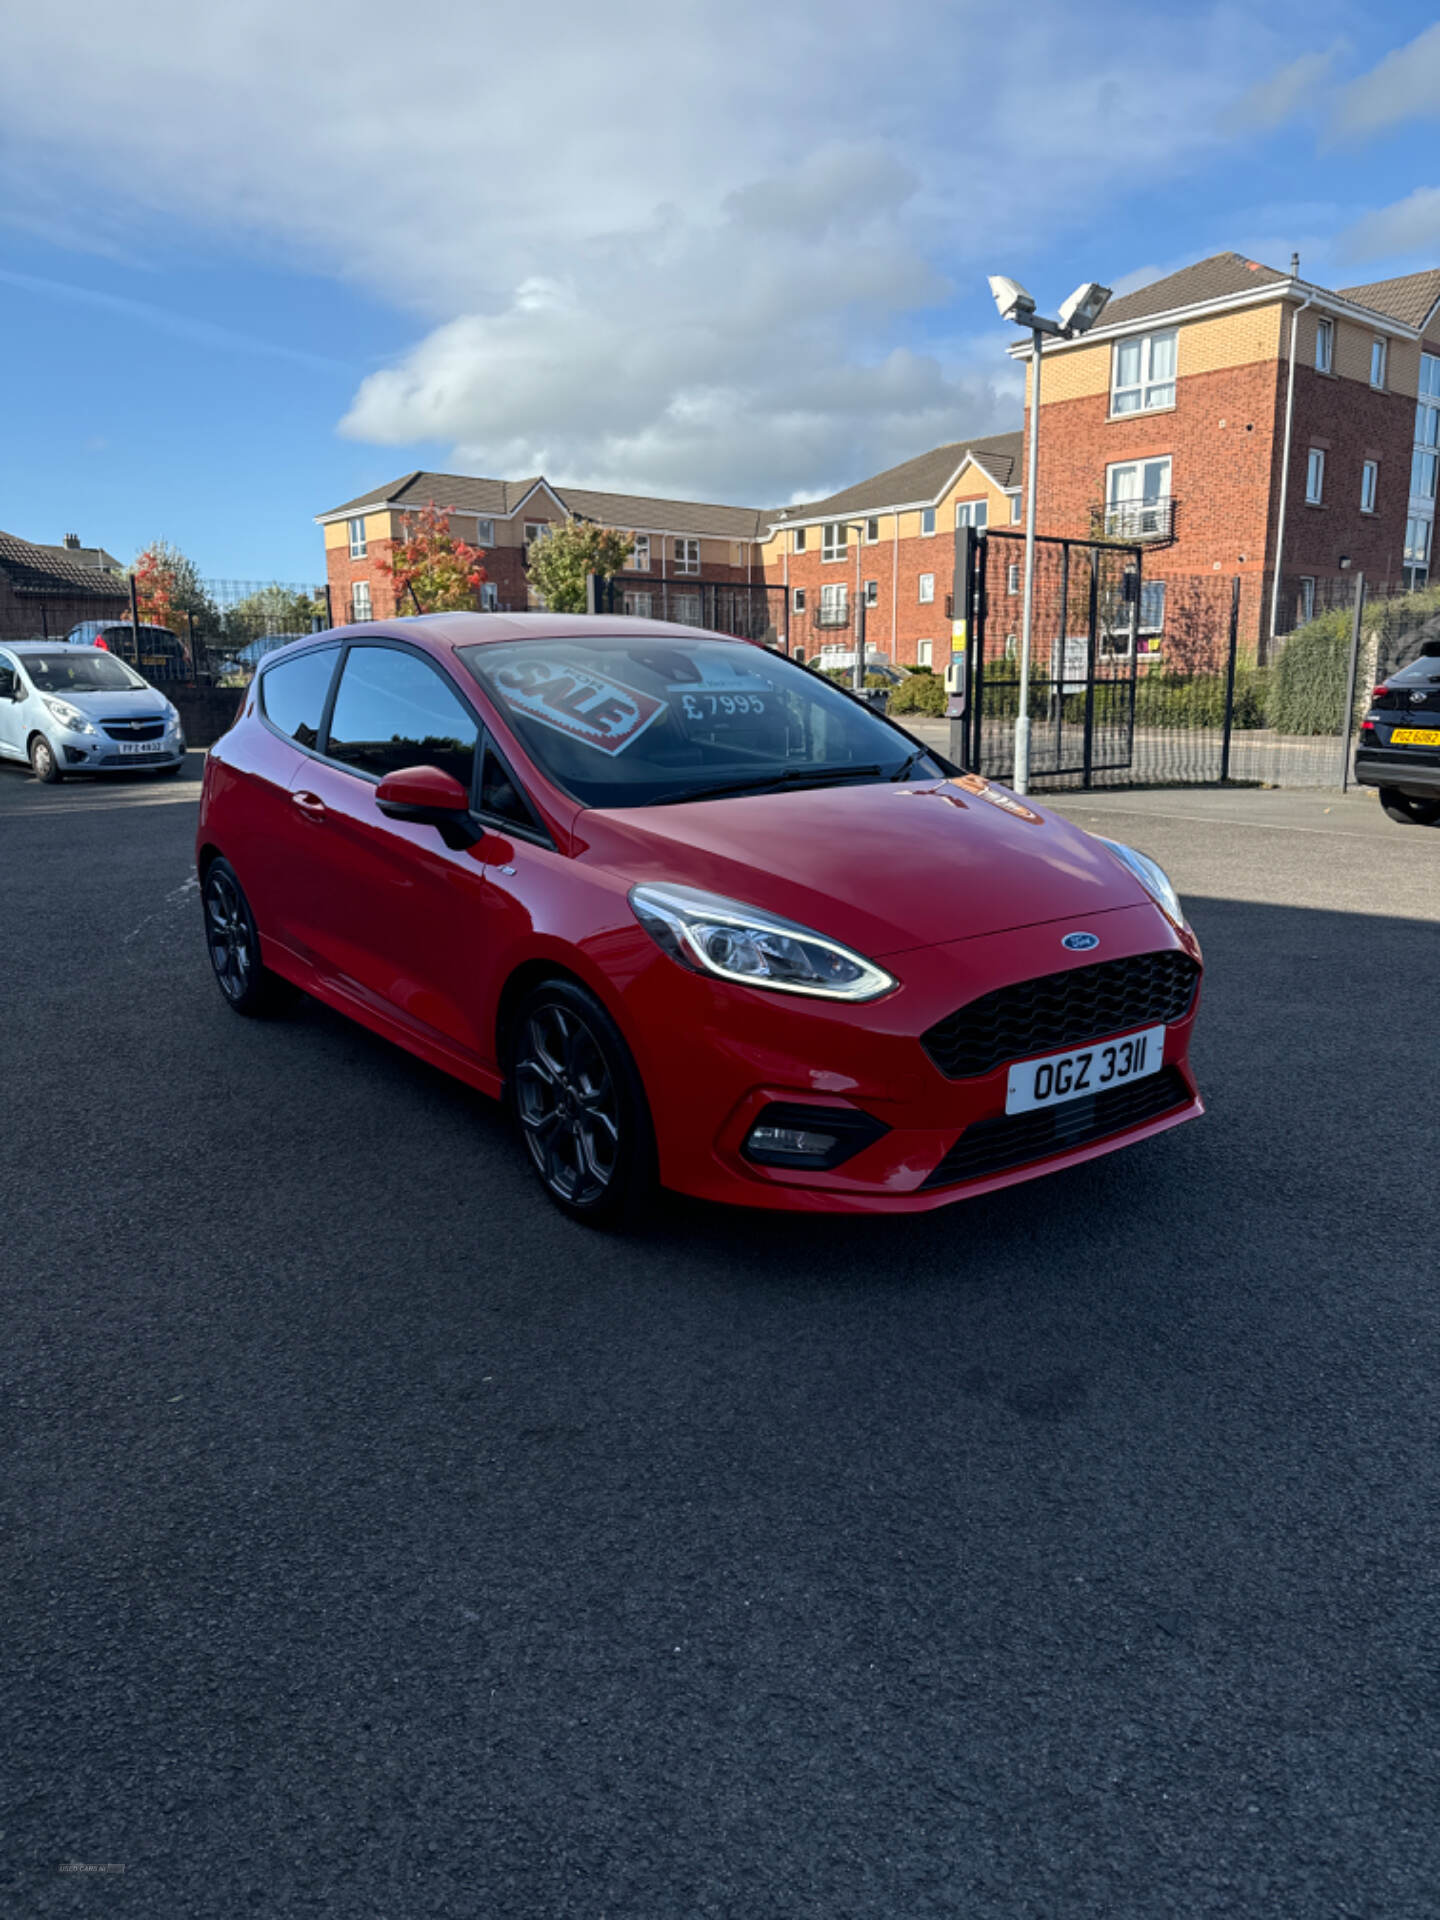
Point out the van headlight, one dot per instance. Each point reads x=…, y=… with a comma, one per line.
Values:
x=1151, y=875
x=710, y=934
x=69, y=717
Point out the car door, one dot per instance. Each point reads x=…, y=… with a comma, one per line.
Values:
x=12, y=700
x=391, y=915
x=251, y=772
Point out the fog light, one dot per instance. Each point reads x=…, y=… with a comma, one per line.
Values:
x=788, y=1135
x=789, y=1140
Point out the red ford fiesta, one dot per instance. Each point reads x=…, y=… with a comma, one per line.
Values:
x=702, y=918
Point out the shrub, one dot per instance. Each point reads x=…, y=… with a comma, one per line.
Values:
x=1309, y=689
x=920, y=693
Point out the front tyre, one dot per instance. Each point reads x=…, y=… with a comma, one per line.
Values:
x=43, y=762
x=580, y=1106
x=1409, y=811
x=234, y=946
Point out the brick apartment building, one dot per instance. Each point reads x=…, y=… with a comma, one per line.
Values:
x=678, y=542
x=1176, y=423
x=1229, y=419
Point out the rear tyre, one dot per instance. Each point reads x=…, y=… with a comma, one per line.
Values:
x=580, y=1106
x=1408, y=811
x=233, y=944
x=43, y=763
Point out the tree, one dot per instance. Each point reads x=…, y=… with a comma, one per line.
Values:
x=442, y=572
x=561, y=557
x=272, y=609
x=170, y=592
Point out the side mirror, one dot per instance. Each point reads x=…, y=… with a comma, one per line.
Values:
x=430, y=797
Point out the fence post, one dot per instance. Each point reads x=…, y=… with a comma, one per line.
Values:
x=135, y=621
x=194, y=655
x=590, y=594
x=1347, y=718
x=329, y=609
x=1230, y=680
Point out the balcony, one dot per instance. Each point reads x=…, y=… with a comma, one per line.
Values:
x=832, y=614
x=1134, y=521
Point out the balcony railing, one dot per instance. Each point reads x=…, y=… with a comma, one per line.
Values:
x=832, y=614
x=1134, y=520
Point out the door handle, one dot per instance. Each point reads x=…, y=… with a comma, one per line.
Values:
x=310, y=804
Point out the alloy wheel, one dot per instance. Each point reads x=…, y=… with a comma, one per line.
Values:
x=227, y=932
x=568, y=1106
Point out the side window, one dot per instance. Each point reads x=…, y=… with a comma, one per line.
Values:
x=499, y=792
x=392, y=710
x=9, y=678
x=293, y=694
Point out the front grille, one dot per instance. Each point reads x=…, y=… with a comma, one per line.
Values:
x=133, y=759
x=1062, y=1010
x=150, y=728
x=1013, y=1139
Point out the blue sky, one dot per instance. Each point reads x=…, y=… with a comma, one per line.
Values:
x=255, y=261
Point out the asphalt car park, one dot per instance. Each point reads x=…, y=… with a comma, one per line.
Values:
x=380, y=1540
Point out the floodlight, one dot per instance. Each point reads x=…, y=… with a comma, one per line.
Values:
x=1012, y=299
x=1084, y=307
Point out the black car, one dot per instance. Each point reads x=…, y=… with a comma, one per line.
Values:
x=1399, y=746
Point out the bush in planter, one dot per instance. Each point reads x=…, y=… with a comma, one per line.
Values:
x=922, y=693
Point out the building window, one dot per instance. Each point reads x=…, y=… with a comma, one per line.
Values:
x=484, y=532
x=358, y=549
x=686, y=555
x=927, y=520
x=972, y=513
x=639, y=561
x=1152, y=606
x=872, y=593
x=1422, y=475
x=872, y=532
x=1430, y=375
x=1315, y=477
x=1427, y=426
x=489, y=596
x=1377, y=363
x=834, y=605
x=1305, y=601
x=1017, y=509
x=1142, y=373
x=534, y=529
x=927, y=589
x=797, y=601
x=1369, y=480
x=360, y=600
x=924, y=652
x=1012, y=577
x=1137, y=499
x=1417, y=552
x=1325, y=346
x=834, y=538
x=637, y=605
x=799, y=539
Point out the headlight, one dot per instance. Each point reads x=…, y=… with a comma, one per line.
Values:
x=1151, y=876
x=735, y=942
x=67, y=715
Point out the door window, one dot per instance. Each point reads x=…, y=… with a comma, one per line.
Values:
x=392, y=711
x=293, y=692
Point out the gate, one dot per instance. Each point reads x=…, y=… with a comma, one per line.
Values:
x=1084, y=649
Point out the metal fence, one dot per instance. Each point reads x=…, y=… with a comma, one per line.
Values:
x=750, y=610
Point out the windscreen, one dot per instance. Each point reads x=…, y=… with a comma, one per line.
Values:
x=627, y=721
x=87, y=670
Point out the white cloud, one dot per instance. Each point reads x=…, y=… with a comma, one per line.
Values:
x=1411, y=225
x=1405, y=86
x=711, y=249
x=1273, y=101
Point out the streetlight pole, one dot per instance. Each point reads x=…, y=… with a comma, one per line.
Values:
x=1077, y=316
x=1027, y=605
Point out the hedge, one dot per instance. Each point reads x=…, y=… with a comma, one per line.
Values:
x=920, y=693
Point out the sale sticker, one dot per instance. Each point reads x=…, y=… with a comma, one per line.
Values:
x=600, y=713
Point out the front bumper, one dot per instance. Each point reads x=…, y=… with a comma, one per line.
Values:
x=89, y=753
x=715, y=1057
x=1417, y=775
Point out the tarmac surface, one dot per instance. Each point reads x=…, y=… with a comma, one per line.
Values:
x=377, y=1542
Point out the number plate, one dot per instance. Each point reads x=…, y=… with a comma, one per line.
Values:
x=1415, y=737
x=140, y=746
x=1070, y=1076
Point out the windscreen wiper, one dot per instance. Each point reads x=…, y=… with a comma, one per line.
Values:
x=792, y=777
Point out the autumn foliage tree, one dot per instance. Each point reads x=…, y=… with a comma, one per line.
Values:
x=433, y=566
x=560, y=558
x=170, y=592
